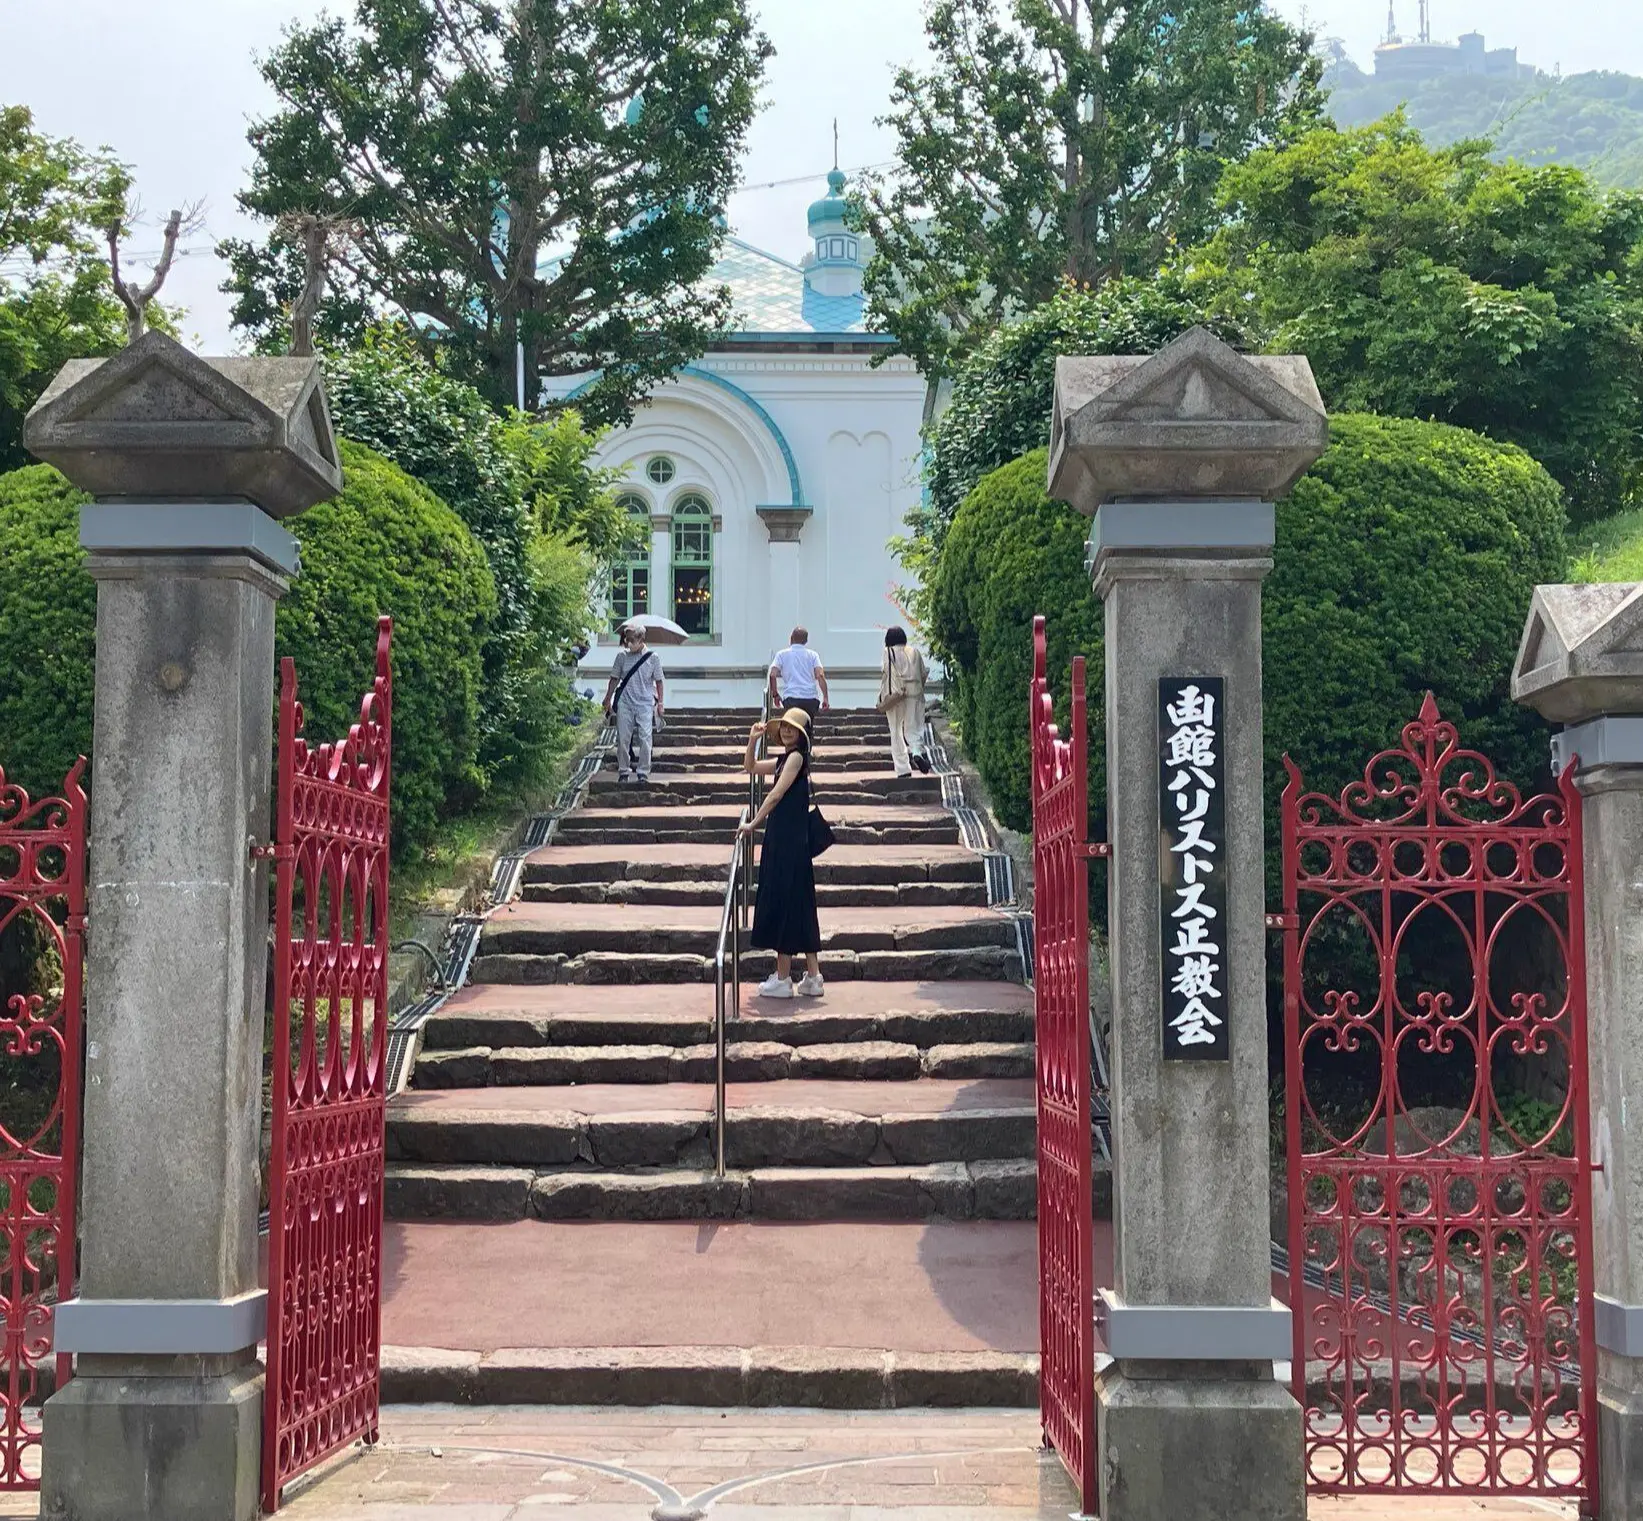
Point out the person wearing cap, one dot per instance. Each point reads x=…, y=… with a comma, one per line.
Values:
x=635, y=693
x=784, y=916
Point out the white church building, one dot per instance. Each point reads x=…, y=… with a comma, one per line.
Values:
x=774, y=471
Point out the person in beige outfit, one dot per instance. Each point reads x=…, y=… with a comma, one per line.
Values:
x=901, y=699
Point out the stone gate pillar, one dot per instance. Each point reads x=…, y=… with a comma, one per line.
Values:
x=191, y=461
x=1581, y=665
x=1179, y=457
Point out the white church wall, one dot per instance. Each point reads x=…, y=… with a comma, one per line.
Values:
x=853, y=433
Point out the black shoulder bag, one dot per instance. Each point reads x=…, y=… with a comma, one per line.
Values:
x=633, y=670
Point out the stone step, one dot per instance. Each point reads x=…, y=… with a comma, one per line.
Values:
x=982, y=963
x=1003, y=1189
x=916, y=1014
x=746, y=1061
x=841, y=789
x=711, y=891
x=811, y=1377
x=796, y=1124
x=572, y=929
x=882, y=865
x=887, y=824
x=683, y=760
x=688, y=830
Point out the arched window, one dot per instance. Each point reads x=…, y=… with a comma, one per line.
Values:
x=630, y=580
x=693, y=565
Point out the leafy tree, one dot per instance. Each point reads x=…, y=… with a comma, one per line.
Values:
x=513, y=171
x=56, y=302
x=1428, y=282
x=1065, y=139
x=512, y=481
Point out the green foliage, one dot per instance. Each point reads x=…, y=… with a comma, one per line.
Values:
x=508, y=478
x=499, y=187
x=1011, y=554
x=56, y=302
x=389, y=545
x=385, y=545
x=1611, y=550
x=1588, y=121
x=1052, y=141
x=1404, y=561
x=567, y=493
x=48, y=617
x=1436, y=283
x=1001, y=399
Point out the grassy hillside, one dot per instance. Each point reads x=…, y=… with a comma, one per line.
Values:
x=1594, y=121
x=1609, y=551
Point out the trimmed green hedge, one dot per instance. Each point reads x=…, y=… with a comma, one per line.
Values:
x=386, y=544
x=389, y=545
x=1405, y=560
x=48, y=620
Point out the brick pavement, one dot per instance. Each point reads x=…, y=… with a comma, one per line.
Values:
x=509, y=1463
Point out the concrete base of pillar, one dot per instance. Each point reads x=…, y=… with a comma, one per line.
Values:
x=183, y=1449
x=1198, y=1449
x=1619, y=1457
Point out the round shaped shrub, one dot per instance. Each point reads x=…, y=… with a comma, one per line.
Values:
x=1404, y=562
x=1010, y=554
x=48, y=619
x=388, y=545
x=385, y=545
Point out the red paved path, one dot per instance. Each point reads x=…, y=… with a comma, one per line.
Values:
x=905, y=1287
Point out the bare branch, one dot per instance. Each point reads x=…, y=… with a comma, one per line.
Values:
x=136, y=299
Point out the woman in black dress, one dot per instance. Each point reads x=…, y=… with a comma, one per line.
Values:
x=784, y=917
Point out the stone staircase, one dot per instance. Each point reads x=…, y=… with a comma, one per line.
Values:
x=571, y=1080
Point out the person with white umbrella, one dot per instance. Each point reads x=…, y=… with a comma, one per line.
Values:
x=636, y=697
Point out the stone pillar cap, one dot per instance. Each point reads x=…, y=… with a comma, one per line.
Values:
x=1582, y=652
x=160, y=423
x=1196, y=419
x=784, y=524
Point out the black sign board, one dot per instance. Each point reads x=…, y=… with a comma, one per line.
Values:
x=1192, y=880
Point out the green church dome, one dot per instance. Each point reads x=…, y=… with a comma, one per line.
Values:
x=830, y=208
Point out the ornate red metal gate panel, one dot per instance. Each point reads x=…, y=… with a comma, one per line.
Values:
x=43, y=898
x=1440, y=1252
x=330, y=1050
x=1061, y=1001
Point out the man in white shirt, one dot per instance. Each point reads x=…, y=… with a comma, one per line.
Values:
x=798, y=679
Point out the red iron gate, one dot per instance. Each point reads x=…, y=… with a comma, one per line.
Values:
x=42, y=868
x=326, y=1175
x=1440, y=1257
x=1061, y=1003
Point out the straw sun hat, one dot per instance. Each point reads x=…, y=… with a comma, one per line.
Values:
x=795, y=718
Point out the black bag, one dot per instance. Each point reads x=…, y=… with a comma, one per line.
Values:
x=821, y=833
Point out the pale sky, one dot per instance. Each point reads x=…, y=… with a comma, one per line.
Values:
x=171, y=84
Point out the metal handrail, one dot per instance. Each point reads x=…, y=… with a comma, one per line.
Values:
x=733, y=921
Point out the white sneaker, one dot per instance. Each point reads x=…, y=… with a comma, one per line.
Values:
x=776, y=987
x=811, y=987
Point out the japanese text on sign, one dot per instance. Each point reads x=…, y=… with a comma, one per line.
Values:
x=1192, y=867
